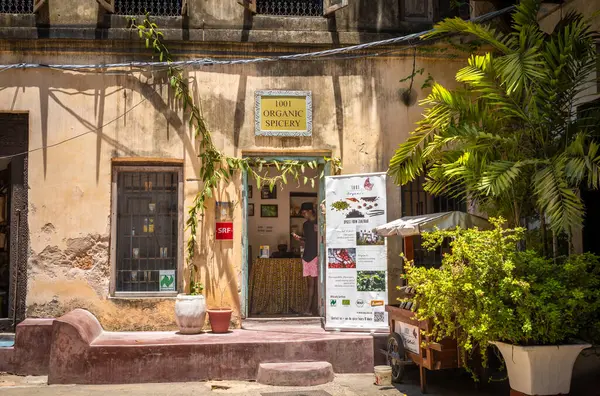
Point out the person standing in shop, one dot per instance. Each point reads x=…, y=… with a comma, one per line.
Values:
x=310, y=256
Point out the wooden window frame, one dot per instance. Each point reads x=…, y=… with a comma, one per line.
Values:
x=116, y=170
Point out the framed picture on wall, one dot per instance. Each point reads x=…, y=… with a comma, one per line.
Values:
x=250, y=191
x=269, y=211
x=266, y=193
x=250, y=209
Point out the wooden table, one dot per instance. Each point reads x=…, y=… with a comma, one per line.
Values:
x=277, y=287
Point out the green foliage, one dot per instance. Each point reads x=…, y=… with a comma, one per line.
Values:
x=216, y=168
x=508, y=137
x=486, y=290
x=370, y=281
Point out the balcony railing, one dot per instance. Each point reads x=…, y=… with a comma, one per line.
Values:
x=153, y=7
x=290, y=7
x=16, y=6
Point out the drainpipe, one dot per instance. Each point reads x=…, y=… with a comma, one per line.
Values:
x=14, y=324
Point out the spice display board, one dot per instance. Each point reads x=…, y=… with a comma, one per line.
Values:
x=356, y=257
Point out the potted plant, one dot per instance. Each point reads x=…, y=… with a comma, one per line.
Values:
x=190, y=309
x=532, y=308
x=220, y=317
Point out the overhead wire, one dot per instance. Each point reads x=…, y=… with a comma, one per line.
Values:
x=79, y=135
x=412, y=40
x=292, y=57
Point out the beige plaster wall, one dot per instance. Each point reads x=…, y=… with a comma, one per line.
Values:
x=357, y=115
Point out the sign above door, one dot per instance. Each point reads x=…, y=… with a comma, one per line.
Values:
x=283, y=113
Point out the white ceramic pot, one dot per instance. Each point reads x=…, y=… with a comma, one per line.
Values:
x=540, y=370
x=190, y=313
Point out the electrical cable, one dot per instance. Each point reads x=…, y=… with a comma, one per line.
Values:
x=211, y=62
x=76, y=136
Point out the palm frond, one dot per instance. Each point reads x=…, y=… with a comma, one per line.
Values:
x=525, y=14
x=482, y=32
x=499, y=176
x=557, y=198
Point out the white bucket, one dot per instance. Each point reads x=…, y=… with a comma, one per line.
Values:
x=383, y=375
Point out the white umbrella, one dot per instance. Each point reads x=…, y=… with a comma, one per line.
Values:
x=415, y=225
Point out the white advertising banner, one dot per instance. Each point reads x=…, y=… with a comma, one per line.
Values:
x=356, y=257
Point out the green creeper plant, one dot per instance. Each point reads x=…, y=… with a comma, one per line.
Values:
x=509, y=136
x=486, y=290
x=216, y=168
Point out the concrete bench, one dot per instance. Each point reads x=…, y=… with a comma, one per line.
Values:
x=83, y=353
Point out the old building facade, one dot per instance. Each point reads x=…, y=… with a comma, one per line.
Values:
x=95, y=138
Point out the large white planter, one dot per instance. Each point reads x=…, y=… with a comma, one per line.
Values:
x=190, y=313
x=540, y=370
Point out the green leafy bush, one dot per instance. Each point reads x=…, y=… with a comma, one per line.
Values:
x=486, y=290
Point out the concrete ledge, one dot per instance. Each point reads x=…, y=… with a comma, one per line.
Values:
x=33, y=339
x=295, y=373
x=7, y=357
x=82, y=353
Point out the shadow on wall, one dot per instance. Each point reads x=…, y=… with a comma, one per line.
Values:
x=55, y=86
x=219, y=272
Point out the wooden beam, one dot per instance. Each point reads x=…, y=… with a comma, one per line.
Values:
x=285, y=153
x=147, y=161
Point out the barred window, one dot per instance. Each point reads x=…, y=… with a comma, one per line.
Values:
x=290, y=7
x=147, y=232
x=153, y=7
x=416, y=202
x=16, y=6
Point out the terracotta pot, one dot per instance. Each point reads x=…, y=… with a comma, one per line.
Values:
x=219, y=319
x=540, y=370
x=190, y=313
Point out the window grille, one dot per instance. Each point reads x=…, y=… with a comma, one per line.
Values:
x=147, y=231
x=290, y=7
x=153, y=7
x=415, y=202
x=16, y=6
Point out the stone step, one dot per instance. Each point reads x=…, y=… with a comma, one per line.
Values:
x=267, y=323
x=295, y=373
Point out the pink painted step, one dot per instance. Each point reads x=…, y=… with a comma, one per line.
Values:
x=295, y=373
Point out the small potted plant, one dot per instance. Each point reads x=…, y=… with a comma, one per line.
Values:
x=220, y=317
x=190, y=309
x=534, y=309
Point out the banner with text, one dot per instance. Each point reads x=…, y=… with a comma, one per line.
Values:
x=356, y=257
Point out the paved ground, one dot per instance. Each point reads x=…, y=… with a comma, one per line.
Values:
x=454, y=384
x=444, y=383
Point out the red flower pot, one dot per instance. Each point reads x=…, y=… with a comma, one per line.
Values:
x=219, y=319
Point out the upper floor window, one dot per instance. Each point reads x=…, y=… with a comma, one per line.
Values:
x=290, y=7
x=16, y=6
x=153, y=7
x=298, y=8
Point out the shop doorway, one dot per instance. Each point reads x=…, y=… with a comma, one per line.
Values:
x=14, y=235
x=273, y=285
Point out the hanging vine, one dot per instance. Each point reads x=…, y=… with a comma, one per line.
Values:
x=216, y=167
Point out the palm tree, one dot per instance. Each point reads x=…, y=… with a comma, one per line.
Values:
x=509, y=137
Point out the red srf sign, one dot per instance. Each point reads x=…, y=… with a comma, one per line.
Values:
x=225, y=230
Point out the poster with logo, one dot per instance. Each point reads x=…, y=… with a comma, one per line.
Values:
x=356, y=257
x=224, y=221
x=410, y=336
x=166, y=279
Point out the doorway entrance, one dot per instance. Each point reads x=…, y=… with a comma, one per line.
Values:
x=273, y=285
x=14, y=235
